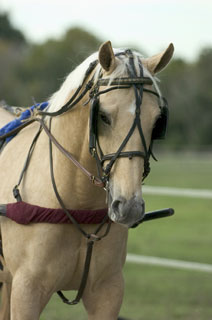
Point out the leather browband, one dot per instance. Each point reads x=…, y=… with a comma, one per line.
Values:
x=121, y=81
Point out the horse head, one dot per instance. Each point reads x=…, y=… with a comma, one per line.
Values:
x=128, y=105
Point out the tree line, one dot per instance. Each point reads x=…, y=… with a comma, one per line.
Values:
x=32, y=72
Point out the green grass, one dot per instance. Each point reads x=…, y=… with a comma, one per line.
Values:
x=186, y=235
x=154, y=293
x=183, y=171
x=158, y=293
x=57, y=310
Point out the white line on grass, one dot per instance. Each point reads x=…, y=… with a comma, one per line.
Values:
x=178, y=192
x=178, y=264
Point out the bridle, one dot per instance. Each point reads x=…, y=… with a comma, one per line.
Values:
x=137, y=82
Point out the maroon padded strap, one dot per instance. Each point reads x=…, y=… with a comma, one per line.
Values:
x=25, y=213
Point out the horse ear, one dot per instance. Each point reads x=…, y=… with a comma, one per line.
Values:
x=158, y=62
x=107, y=57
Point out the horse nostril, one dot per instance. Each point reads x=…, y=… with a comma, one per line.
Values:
x=127, y=212
x=116, y=206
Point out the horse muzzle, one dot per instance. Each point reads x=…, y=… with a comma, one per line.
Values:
x=127, y=212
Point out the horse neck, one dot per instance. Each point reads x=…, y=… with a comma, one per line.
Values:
x=5, y=117
x=71, y=130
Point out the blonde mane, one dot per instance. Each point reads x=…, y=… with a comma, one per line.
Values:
x=75, y=78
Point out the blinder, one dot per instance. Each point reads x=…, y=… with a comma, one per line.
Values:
x=160, y=128
x=94, y=110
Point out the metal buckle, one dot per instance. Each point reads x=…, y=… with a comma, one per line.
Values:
x=93, y=237
x=106, y=187
x=93, y=179
x=93, y=152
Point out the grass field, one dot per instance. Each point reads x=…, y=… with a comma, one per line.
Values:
x=160, y=293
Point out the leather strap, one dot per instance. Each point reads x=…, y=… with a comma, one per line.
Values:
x=74, y=99
x=16, y=130
x=90, y=237
x=124, y=81
x=126, y=154
x=96, y=181
x=84, y=277
x=93, y=238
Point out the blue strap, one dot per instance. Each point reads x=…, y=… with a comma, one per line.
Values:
x=24, y=115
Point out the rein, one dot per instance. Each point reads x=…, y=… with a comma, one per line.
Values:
x=136, y=82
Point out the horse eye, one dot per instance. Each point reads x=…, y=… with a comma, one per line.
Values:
x=105, y=119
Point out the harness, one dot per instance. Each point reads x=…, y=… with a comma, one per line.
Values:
x=137, y=82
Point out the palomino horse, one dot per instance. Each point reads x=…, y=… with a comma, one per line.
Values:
x=43, y=258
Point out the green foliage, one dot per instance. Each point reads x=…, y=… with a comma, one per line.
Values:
x=188, y=90
x=35, y=71
x=46, y=65
x=32, y=72
x=8, y=32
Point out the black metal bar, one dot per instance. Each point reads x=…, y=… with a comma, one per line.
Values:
x=3, y=209
x=163, y=213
